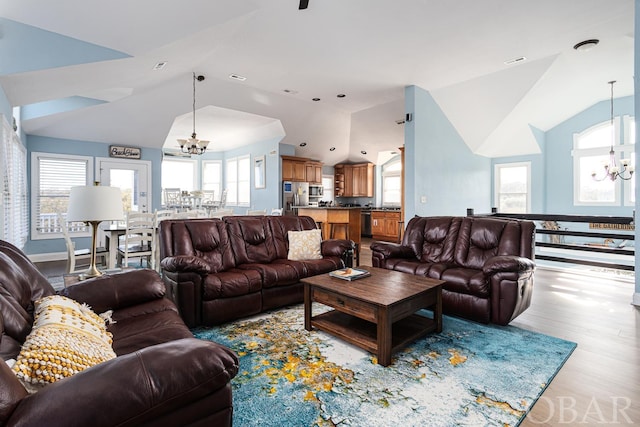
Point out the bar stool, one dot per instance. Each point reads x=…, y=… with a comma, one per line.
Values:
x=345, y=225
x=319, y=226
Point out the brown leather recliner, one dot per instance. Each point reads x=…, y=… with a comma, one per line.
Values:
x=487, y=263
x=161, y=377
x=218, y=270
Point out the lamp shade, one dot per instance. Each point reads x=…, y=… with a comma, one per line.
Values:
x=95, y=203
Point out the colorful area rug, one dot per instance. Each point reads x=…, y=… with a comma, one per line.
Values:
x=470, y=374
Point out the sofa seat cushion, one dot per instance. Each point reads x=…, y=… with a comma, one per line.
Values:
x=151, y=323
x=411, y=266
x=231, y=283
x=466, y=281
x=274, y=274
x=308, y=268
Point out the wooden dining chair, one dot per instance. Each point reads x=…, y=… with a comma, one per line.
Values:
x=139, y=239
x=73, y=254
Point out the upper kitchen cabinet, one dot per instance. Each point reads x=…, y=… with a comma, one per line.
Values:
x=294, y=169
x=313, y=172
x=301, y=169
x=358, y=179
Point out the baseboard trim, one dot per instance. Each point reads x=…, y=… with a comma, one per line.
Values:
x=45, y=257
x=636, y=299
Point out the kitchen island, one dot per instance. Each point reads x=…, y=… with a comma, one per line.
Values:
x=334, y=214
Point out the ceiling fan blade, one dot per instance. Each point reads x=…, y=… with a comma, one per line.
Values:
x=303, y=4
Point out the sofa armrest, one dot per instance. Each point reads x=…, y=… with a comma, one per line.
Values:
x=507, y=263
x=133, y=389
x=335, y=247
x=114, y=291
x=392, y=250
x=185, y=263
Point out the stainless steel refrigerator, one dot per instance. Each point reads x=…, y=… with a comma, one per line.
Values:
x=294, y=194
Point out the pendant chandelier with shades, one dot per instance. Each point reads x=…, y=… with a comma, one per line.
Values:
x=194, y=145
x=611, y=170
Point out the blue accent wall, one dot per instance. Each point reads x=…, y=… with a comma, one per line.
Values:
x=42, y=144
x=558, y=188
x=439, y=165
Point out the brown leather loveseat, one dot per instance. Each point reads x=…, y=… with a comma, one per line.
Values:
x=162, y=376
x=487, y=263
x=223, y=269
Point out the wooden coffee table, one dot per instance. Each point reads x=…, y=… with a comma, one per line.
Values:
x=376, y=313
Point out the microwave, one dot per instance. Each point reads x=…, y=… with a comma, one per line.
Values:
x=315, y=190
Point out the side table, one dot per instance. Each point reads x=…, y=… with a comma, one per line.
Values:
x=73, y=278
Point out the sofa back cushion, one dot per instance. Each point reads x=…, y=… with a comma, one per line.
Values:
x=280, y=227
x=251, y=239
x=204, y=238
x=482, y=238
x=433, y=239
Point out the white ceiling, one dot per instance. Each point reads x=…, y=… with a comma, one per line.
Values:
x=369, y=50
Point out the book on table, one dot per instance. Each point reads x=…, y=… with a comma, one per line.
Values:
x=349, y=273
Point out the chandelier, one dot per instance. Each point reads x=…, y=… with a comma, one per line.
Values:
x=612, y=170
x=194, y=145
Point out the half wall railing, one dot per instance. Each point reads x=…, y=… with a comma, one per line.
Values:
x=576, y=239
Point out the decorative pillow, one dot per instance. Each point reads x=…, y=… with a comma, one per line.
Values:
x=67, y=337
x=305, y=244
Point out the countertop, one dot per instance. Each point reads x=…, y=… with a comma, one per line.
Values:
x=327, y=207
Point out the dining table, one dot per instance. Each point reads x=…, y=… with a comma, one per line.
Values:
x=111, y=233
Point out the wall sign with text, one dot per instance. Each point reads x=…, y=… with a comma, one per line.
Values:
x=124, y=152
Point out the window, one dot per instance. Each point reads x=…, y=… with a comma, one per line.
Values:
x=52, y=176
x=513, y=187
x=179, y=173
x=212, y=176
x=238, y=174
x=392, y=183
x=13, y=164
x=590, y=154
x=327, y=188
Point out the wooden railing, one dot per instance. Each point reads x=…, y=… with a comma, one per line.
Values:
x=622, y=228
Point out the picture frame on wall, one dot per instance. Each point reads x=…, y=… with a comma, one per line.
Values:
x=260, y=172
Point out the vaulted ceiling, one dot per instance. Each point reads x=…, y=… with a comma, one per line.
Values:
x=84, y=70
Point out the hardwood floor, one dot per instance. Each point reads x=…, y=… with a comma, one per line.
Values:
x=600, y=383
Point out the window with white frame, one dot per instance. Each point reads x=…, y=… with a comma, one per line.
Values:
x=238, y=181
x=590, y=155
x=52, y=176
x=178, y=173
x=14, y=226
x=327, y=188
x=513, y=187
x=212, y=176
x=392, y=183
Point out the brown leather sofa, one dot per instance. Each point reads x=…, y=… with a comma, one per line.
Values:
x=162, y=376
x=487, y=263
x=223, y=269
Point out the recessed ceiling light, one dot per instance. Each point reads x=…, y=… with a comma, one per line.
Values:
x=160, y=65
x=332, y=149
x=363, y=152
x=292, y=92
x=303, y=144
x=341, y=95
x=315, y=99
x=515, y=60
x=586, y=45
x=237, y=77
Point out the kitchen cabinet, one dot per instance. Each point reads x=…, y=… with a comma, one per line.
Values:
x=313, y=172
x=358, y=179
x=384, y=225
x=300, y=169
x=338, y=181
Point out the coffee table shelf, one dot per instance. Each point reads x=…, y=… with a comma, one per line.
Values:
x=364, y=334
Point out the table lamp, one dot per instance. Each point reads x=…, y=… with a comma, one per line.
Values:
x=92, y=205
